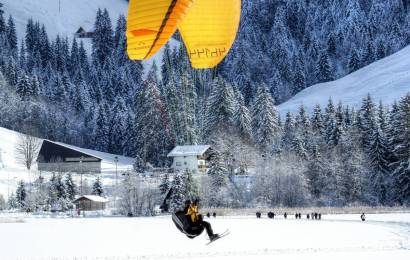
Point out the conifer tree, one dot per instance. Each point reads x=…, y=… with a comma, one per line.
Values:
x=70, y=187
x=323, y=69
x=354, y=62
x=165, y=184
x=97, y=187
x=220, y=107
x=178, y=195
x=380, y=166
x=264, y=119
x=21, y=195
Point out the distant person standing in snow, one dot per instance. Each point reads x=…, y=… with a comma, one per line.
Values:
x=363, y=217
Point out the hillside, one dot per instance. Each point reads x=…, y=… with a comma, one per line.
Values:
x=387, y=80
x=65, y=17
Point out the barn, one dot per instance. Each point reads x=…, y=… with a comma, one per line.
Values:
x=60, y=157
x=90, y=203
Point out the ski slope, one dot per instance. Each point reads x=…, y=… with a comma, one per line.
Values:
x=387, y=80
x=65, y=17
x=334, y=237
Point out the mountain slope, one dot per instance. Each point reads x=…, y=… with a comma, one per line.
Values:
x=65, y=17
x=387, y=80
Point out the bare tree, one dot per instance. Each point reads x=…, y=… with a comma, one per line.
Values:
x=27, y=149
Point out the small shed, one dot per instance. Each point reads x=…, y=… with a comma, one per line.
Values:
x=90, y=203
x=81, y=33
x=190, y=157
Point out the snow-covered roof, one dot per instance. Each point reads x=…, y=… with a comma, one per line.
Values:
x=94, y=198
x=188, y=150
x=100, y=155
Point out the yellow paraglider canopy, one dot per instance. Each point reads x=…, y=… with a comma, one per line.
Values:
x=151, y=23
x=208, y=28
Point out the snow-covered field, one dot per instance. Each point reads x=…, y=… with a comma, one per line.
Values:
x=334, y=237
x=387, y=80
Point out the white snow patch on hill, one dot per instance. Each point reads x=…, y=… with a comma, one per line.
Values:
x=387, y=80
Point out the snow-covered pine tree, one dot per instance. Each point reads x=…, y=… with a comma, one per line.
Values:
x=191, y=185
x=289, y=132
x=401, y=150
x=220, y=108
x=188, y=109
x=367, y=123
x=315, y=173
x=379, y=160
x=317, y=121
x=178, y=196
x=21, y=194
x=2, y=21
x=354, y=61
x=323, y=68
x=218, y=174
x=101, y=131
x=329, y=122
x=152, y=136
x=23, y=87
x=70, y=187
x=165, y=184
x=339, y=128
x=265, y=127
x=117, y=127
x=97, y=187
x=103, y=41
x=12, y=36
x=242, y=119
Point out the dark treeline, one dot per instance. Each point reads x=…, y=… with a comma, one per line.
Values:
x=102, y=100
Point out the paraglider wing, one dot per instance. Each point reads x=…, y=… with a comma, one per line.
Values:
x=151, y=23
x=209, y=30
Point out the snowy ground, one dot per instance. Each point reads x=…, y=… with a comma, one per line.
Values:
x=334, y=237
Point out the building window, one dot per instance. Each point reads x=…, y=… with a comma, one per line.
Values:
x=184, y=163
x=178, y=163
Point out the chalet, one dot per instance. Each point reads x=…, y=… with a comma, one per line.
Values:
x=81, y=33
x=190, y=157
x=60, y=157
x=90, y=203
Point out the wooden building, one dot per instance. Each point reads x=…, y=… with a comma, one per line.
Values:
x=59, y=157
x=81, y=33
x=90, y=203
